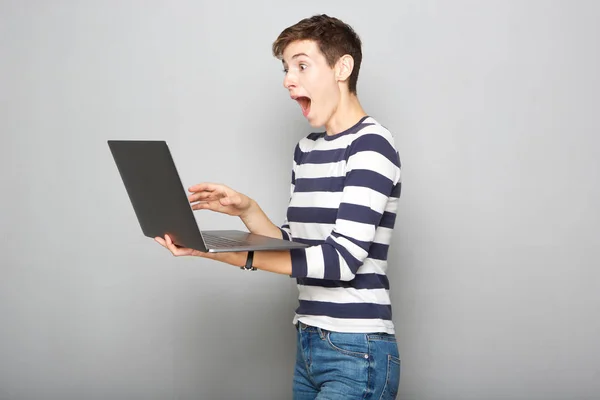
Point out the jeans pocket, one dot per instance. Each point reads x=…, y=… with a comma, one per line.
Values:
x=392, y=379
x=350, y=344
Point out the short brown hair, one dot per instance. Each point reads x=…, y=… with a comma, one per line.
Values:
x=334, y=38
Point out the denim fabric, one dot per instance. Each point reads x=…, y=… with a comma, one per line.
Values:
x=334, y=365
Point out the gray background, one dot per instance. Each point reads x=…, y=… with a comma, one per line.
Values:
x=494, y=268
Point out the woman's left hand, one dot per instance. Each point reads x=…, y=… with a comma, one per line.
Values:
x=234, y=258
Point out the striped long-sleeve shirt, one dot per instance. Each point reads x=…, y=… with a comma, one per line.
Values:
x=344, y=197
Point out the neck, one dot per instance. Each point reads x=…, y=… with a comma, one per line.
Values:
x=347, y=114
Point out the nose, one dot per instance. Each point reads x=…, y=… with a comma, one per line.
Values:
x=289, y=81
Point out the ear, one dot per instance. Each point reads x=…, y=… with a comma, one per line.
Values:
x=344, y=67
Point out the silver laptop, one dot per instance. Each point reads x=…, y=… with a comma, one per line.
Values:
x=162, y=207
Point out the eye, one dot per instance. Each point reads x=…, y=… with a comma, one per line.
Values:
x=303, y=67
x=285, y=70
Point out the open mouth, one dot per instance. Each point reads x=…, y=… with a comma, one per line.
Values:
x=304, y=104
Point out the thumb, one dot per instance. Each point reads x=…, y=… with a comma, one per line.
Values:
x=231, y=200
x=235, y=200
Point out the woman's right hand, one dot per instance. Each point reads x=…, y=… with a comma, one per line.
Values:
x=219, y=198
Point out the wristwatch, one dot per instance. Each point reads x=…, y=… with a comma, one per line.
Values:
x=248, y=266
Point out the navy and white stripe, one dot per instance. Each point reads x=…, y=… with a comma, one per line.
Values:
x=344, y=197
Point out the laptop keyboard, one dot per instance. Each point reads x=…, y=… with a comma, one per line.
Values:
x=221, y=242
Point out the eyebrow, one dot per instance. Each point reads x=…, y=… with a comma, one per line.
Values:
x=299, y=54
x=296, y=56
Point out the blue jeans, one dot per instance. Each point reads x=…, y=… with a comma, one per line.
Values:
x=334, y=365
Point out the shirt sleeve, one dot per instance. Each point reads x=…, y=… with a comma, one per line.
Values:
x=286, y=231
x=372, y=177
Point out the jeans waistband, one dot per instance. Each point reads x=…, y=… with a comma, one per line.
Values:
x=301, y=326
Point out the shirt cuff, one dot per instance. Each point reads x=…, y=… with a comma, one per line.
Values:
x=299, y=265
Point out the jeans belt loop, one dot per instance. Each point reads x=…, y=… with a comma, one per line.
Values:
x=322, y=333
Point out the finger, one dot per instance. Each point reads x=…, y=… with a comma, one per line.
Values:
x=221, y=205
x=168, y=242
x=208, y=205
x=170, y=245
x=206, y=196
x=177, y=250
x=161, y=241
x=203, y=194
x=203, y=206
x=198, y=187
x=205, y=186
